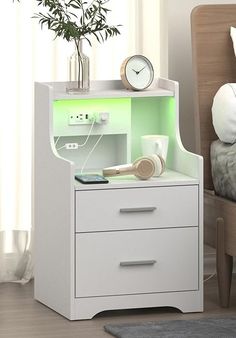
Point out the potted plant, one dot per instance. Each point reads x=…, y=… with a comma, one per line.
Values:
x=77, y=21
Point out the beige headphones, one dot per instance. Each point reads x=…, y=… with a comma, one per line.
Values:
x=143, y=168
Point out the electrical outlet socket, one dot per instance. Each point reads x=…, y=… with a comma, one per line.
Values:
x=79, y=118
x=71, y=146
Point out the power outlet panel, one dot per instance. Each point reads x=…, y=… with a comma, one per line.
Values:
x=71, y=146
x=81, y=118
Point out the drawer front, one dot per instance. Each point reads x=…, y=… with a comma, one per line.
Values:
x=138, y=208
x=134, y=262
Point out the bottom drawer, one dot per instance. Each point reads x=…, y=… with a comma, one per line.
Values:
x=142, y=261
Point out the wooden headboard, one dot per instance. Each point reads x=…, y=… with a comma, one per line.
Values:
x=214, y=64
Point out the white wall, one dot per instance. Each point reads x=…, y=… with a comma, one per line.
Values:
x=176, y=56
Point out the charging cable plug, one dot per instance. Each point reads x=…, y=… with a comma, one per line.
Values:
x=71, y=146
x=101, y=117
x=92, y=118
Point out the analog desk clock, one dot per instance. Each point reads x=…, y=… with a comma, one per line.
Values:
x=137, y=72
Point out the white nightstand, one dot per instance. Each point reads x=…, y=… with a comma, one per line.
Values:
x=128, y=243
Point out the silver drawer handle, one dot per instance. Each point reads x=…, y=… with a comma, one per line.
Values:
x=134, y=263
x=142, y=209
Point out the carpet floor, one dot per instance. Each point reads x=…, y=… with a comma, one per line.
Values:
x=204, y=328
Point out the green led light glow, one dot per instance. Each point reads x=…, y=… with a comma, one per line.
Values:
x=131, y=117
x=90, y=104
x=119, y=110
x=151, y=116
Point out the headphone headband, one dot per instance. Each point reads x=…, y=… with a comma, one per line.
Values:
x=143, y=167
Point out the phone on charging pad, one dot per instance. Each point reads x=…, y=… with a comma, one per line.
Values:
x=91, y=179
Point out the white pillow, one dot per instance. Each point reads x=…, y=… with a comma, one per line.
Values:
x=224, y=113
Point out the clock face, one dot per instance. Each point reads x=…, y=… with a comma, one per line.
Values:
x=138, y=72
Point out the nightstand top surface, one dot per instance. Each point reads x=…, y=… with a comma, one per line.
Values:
x=168, y=178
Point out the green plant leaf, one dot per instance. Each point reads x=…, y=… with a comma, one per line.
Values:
x=76, y=19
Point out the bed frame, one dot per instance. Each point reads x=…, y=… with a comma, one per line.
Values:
x=214, y=64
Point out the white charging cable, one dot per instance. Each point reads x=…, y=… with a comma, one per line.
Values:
x=89, y=133
x=61, y=147
x=57, y=141
x=90, y=153
x=209, y=277
x=78, y=145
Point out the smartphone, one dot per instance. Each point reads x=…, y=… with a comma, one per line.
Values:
x=91, y=179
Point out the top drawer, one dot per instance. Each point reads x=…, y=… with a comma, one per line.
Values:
x=137, y=208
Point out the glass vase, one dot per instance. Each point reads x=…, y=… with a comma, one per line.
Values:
x=78, y=71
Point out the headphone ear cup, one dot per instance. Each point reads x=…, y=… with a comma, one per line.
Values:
x=159, y=164
x=144, y=167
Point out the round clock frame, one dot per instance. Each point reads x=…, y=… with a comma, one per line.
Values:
x=137, y=72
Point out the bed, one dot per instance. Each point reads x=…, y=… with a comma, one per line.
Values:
x=214, y=64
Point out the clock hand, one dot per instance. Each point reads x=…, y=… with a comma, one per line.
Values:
x=141, y=69
x=135, y=71
x=138, y=71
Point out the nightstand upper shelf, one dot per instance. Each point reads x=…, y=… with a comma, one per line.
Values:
x=111, y=89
